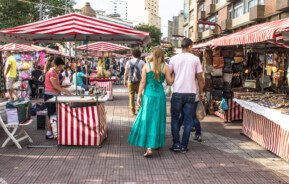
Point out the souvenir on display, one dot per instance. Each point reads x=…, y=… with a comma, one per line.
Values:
x=269, y=58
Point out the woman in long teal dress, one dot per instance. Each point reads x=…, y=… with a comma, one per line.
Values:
x=149, y=128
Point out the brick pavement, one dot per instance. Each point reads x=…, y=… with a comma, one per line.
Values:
x=223, y=157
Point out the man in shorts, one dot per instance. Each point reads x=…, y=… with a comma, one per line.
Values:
x=10, y=74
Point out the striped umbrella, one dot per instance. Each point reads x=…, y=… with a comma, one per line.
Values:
x=72, y=27
x=102, y=47
x=19, y=48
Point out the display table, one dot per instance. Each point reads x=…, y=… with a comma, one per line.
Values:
x=81, y=121
x=234, y=113
x=267, y=127
x=104, y=83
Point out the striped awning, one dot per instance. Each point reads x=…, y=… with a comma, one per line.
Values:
x=102, y=47
x=72, y=27
x=269, y=31
x=19, y=48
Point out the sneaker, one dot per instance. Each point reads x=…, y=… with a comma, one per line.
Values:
x=184, y=150
x=198, y=138
x=175, y=148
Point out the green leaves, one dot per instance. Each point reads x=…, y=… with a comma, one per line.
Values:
x=155, y=34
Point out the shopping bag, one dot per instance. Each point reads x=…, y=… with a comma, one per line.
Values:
x=201, y=111
x=224, y=104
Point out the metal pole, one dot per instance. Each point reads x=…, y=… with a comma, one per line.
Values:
x=40, y=9
x=264, y=65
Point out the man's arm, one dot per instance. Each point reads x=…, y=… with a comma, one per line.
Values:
x=201, y=82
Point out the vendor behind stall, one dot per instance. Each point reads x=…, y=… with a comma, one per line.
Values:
x=79, y=78
x=53, y=88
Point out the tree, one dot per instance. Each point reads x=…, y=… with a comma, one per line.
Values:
x=18, y=12
x=155, y=34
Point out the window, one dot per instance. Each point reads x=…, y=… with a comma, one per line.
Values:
x=202, y=7
x=238, y=10
x=216, y=1
x=251, y=3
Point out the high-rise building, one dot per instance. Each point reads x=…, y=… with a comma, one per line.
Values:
x=176, y=29
x=152, y=8
x=119, y=7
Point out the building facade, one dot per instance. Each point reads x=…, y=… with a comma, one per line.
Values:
x=119, y=7
x=152, y=11
x=176, y=29
x=230, y=15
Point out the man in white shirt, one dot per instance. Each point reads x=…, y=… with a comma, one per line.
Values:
x=132, y=77
x=186, y=67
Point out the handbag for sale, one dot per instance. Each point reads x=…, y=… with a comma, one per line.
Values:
x=217, y=95
x=224, y=104
x=209, y=69
x=236, y=82
x=238, y=53
x=208, y=57
x=228, y=77
x=238, y=59
x=266, y=82
x=250, y=84
x=217, y=52
x=227, y=87
x=217, y=72
x=218, y=62
x=208, y=83
x=228, y=95
x=227, y=70
x=228, y=63
x=227, y=53
x=218, y=82
x=237, y=67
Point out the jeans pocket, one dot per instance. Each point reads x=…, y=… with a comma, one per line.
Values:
x=191, y=99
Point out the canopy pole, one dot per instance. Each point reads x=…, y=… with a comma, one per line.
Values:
x=76, y=64
x=263, y=68
x=86, y=61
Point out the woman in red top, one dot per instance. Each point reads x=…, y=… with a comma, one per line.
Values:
x=53, y=88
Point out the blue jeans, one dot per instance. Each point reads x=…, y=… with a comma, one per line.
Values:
x=196, y=122
x=182, y=102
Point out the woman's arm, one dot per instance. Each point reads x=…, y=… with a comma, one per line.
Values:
x=56, y=86
x=142, y=85
x=169, y=77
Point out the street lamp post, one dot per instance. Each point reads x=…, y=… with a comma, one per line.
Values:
x=203, y=22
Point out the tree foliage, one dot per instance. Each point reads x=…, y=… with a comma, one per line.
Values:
x=155, y=34
x=18, y=12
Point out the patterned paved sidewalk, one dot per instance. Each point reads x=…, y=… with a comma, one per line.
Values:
x=224, y=157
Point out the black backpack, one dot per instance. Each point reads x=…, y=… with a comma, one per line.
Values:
x=134, y=74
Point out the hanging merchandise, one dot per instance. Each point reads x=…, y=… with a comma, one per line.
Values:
x=41, y=58
x=218, y=82
x=217, y=72
x=218, y=62
x=228, y=77
x=228, y=53
x=224, y=104
x=217, y=95
x=208, y=82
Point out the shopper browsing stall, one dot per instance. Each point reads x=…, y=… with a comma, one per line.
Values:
x=10, y=74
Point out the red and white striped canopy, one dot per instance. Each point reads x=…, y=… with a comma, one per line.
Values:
x=269, y=31
x=102, y=47
x=19, y=48
x=73, y=27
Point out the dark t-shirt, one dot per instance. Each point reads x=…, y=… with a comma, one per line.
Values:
x=36, y=74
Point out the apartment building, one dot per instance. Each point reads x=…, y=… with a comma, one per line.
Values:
x=119, y=7
x=231, y=15
x=176, y=29
x=152, y=12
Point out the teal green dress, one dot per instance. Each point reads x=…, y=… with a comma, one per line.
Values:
x=149, y=128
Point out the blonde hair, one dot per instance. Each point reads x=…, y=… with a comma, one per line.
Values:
x=158, y=59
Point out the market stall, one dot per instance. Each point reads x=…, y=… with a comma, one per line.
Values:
x=75, y=27
x=102, y=77
x=259, y=67
x=81, y=120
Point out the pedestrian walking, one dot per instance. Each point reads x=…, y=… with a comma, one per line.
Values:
x=149, y=128
x=132, y=78
x=186, y=67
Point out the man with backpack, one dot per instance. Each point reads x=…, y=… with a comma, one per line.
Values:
x=132, y=77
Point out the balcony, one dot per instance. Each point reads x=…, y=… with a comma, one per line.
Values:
x=231, y=1
x=282, y=5
x=257, y=13
x=201, y=15
x=210, y=9
x=209, y=33
x=241, y=21
x=226, y=24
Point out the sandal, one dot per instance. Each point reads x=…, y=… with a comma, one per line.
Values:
x=148, y=153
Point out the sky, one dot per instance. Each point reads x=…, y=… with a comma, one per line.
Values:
x=168, y=9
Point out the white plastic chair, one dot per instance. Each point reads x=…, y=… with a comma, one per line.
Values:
x=12, y=136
